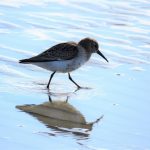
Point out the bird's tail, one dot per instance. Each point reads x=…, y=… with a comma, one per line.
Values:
x=25, y=61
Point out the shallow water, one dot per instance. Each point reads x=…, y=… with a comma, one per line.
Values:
x=119, y=90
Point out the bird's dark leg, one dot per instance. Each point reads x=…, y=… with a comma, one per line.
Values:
x=49, y=98
x=67, y=99
x=73, y=81
x=50, y=79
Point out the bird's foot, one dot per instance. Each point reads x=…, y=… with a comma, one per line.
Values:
x=80, y=88
x=47, y=87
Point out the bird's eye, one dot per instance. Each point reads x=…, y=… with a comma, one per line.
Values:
x=95, y=45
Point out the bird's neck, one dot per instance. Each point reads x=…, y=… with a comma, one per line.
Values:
x=86, y=48
x=84, y=53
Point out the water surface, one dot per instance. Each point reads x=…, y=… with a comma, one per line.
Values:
x=119, y=90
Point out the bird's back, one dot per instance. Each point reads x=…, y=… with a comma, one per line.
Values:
x=62, y=51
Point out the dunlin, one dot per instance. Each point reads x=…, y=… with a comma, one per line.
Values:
x=65, y=57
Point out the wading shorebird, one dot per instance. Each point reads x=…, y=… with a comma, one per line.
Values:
x=65, y=57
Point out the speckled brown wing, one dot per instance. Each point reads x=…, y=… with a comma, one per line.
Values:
x=62, y=51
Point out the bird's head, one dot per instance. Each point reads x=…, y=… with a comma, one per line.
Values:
x=91, y=46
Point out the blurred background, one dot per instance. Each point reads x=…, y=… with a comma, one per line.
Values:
x=119, y=91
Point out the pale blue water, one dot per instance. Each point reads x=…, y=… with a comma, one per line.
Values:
x=120, y=90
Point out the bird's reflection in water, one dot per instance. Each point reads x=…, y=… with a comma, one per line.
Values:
x=61, y=117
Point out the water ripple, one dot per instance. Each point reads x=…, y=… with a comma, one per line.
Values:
x=120, y=87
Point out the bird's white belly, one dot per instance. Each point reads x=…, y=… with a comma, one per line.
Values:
x=62, y=65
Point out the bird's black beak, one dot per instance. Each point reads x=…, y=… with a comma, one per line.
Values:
x=99, y=53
